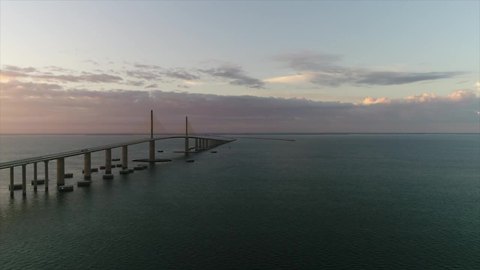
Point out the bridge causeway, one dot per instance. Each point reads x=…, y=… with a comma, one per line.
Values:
x=201, y=143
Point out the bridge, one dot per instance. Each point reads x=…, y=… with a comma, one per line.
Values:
x=200, y=143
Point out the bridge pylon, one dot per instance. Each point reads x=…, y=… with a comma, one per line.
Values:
x=151, y=155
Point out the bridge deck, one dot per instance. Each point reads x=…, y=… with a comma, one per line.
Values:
x=14, y=163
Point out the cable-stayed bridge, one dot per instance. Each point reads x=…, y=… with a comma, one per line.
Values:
x=193, y=143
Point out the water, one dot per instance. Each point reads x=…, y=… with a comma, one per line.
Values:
x=321, y=202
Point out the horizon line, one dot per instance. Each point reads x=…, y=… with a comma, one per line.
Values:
x=244, y=133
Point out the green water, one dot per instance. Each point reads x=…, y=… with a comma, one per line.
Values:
x=321, y=202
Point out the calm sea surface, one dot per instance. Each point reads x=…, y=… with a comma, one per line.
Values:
x=321, y=202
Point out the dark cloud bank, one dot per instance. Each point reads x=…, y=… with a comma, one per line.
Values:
x=49, y=108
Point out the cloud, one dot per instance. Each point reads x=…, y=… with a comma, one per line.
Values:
x=291, y=79
x=19, y=69
x=95, y=78
x=157, y=73
x=47, y=108
x=144, y=66
x=137, y=75
x=325, y=70
x=35, y=74
x=307, y=60
x=424, y=97
x=153, y=85
x=92, y=62
x=15, y=89
x=180, y=74
x=142, y=74
x=236, y=75
x=391, y=78
x=455, y=96
x=461, y=95
x=371, y=101
x=136, y=83
x=57, y=69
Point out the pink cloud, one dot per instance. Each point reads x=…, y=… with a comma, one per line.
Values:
x=372, y=101
x=424, y=97
x=461, y=94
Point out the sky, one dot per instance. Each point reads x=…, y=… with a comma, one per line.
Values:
x=239, y=66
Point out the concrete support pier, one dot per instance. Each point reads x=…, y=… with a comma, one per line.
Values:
x=46, y=176
x=87, y=166
x=60, y=172
x=125, y=157
x=186, y=136
x=35, y=177
x=12, y=181
x=24, y=180
x=151, y=155
x=108, y=161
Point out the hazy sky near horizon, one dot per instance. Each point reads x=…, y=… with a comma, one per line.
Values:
x=240, y=66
